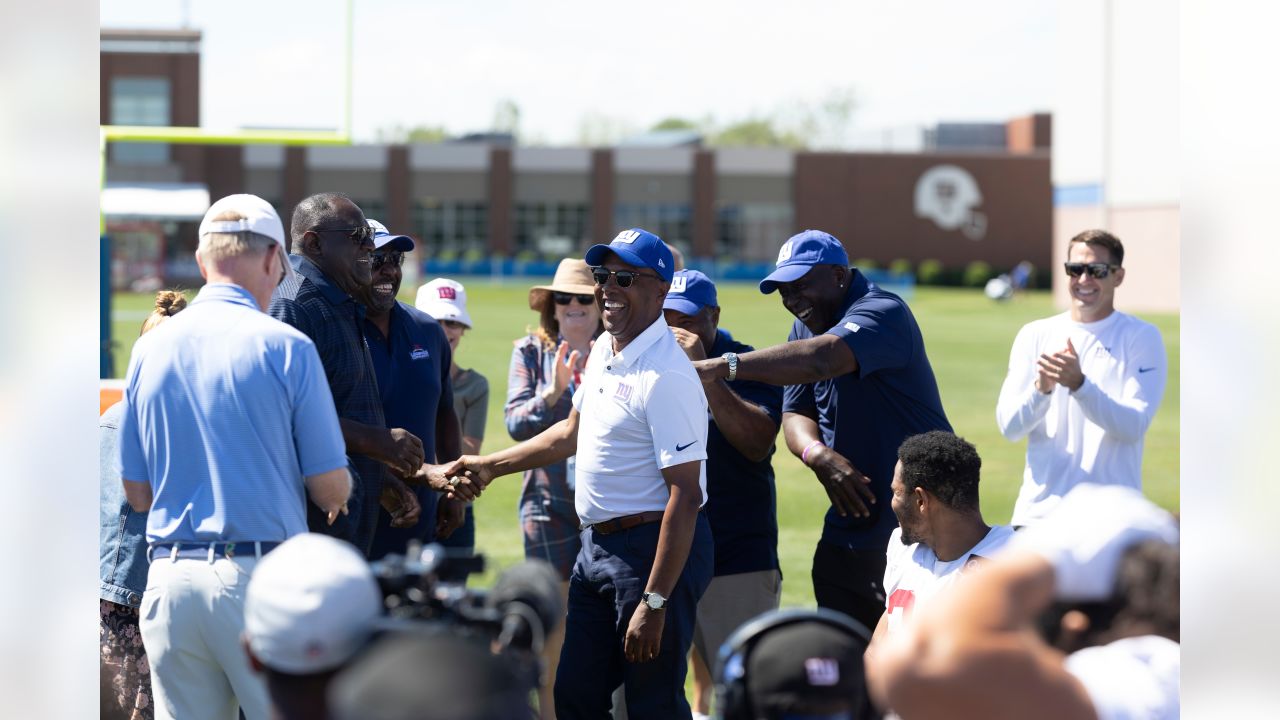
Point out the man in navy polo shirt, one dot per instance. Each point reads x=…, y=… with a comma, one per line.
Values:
x=741, y=500
x=858, y=384
x=332, y=243
x=411, y=359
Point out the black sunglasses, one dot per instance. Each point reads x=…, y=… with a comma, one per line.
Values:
x=357, y=234
x=378, y=259
x=566, y=298
x=624, y=278
x=1096, y=270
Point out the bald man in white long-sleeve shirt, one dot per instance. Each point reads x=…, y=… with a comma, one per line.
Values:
x=1082, y=386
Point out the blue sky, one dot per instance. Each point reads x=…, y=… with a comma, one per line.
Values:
x=449, y=63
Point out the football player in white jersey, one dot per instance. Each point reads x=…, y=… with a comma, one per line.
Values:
x=1104, y=567
x=941, y=533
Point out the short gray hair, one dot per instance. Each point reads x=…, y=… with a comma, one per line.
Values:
x=224, y=245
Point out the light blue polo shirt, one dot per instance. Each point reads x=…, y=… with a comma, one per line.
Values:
x=226, y=411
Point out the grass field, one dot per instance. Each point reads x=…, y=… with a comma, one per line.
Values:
x=967, y=337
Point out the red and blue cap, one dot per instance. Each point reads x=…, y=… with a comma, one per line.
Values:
x=800, y=253
x=690, y=292
x=636, y=247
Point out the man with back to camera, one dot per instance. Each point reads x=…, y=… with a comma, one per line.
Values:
x=742, y=504
x=1083, y=386
x=1077, y=619
x=858, y=384
x=311, y=606
x=228, y=425
x=941, y=534
x=639, y=430
x=411, y=360
x=332, y=244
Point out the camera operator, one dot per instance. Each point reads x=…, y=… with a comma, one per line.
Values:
x=310, y=606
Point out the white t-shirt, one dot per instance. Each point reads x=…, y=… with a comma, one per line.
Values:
x=1131, y=679
x=913, y=573
x=1094, y=434
x=642, y=410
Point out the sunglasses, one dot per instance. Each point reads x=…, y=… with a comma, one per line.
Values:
x=624, y=278
x=566, y=298
x=1096, y=270
x=379, y=259
x=357, y=234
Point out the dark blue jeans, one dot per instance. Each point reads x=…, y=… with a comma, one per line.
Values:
x=607, y=581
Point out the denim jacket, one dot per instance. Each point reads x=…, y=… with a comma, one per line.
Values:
x=122, y=544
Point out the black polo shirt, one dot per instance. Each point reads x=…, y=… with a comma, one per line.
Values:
x=742, y=502
x=332, y=320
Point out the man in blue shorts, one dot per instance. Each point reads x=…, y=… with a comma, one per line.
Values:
x=858, y=384
x=411, y=359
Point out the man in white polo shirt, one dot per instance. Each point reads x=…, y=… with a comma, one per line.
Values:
x=639, y=430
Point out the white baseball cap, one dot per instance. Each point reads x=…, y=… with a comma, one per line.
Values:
x=256, y=215
x=444, y=299
x=310, y=605
x=383, y=237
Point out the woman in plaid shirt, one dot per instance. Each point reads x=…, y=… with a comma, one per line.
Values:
x=545, y=368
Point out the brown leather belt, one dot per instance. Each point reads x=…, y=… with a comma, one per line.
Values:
x=626, y=522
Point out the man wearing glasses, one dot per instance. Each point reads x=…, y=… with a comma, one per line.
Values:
x=411, y=359
x=1082, y=386
x=639, y=429
x=332, y=243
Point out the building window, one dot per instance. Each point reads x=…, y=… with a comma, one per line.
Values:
x=671, y=222
x=752, y=231
x=453, y=230
x=551, y=230
x=140, y=101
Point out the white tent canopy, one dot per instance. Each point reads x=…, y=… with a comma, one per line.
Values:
x=155, y=201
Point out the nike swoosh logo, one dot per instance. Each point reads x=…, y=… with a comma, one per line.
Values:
x=680, y=448
x=1142, y=369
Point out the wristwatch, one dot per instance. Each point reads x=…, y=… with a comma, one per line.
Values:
x=654, y=600
x=732, y=359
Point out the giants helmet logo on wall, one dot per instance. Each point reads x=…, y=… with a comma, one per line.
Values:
x=949, y=196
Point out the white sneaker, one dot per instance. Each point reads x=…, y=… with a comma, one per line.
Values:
x=699, y=716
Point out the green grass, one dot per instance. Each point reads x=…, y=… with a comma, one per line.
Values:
x=968, y=339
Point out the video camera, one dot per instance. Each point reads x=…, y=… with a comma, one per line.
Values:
x=425, y=591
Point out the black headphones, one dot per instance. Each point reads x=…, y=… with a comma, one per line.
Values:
x=732, y=699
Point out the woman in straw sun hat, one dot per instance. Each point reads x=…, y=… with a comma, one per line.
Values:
x=546, y=365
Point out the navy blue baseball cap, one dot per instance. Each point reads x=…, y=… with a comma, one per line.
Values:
x=636, y=247
x=690, y=292
x=800, y=253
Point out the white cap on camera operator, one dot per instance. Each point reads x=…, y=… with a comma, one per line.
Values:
x=310, y=606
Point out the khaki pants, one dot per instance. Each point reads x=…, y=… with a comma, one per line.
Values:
x=191, y=619
x=729, y=602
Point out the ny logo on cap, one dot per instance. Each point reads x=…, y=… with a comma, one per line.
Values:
x=679, y=283
x=784, y=253
x=822, y=672
x=448, y=293
x=627, y=236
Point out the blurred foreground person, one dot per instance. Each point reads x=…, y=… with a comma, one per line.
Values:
x=794, y=665
x=122, y=564
x=1099, y=576
x=312, y=604
x=228, y=425
x=429, y=674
